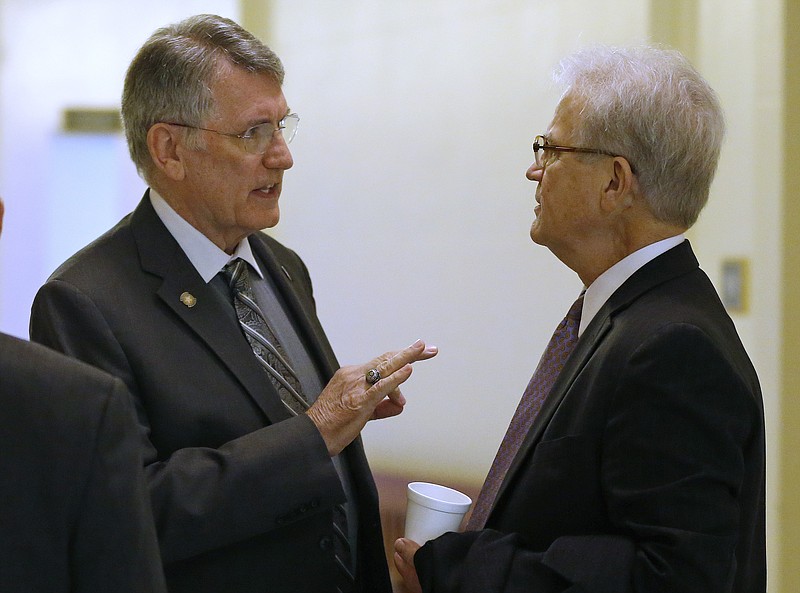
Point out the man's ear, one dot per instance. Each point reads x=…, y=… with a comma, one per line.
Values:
x=163, y=142
x=618, y=193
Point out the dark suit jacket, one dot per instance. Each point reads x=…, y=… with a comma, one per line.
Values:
x=242, y=493
x=644, y=470
x=74, y=515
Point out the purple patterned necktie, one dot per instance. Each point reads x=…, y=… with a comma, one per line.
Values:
x=555, y=356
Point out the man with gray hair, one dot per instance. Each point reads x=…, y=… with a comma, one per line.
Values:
x=635, y=460
x=250, y=429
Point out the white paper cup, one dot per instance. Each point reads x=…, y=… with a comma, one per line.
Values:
x=433, y=510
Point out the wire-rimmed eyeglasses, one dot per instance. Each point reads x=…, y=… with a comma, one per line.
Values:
x=541, y=145
x=257, y=139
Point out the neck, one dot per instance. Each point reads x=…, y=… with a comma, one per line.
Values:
x=201, y=221
x=619, y=246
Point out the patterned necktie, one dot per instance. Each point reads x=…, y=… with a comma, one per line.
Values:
x=262, y=339
x=550, y=365
x=270, y=354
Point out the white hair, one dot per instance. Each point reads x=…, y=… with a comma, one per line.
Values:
x=651, y=106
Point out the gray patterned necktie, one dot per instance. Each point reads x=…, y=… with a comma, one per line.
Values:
x=273, y=360
x=550, y=365
x=262, y=339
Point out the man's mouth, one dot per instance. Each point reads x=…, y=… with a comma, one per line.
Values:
x=266, y=189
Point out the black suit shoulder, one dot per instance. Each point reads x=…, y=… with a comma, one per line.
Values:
x=684, y=304
x=73, y=508
x=102, y=257
x=33, y=374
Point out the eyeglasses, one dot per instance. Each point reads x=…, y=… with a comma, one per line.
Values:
x=540, y=145
x=257, y=139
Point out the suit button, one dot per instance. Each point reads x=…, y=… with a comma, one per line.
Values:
x=326, y=543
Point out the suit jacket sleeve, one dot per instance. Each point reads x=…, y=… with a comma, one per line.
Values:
x=114, y=542
x=203, y=498
x=679, y=416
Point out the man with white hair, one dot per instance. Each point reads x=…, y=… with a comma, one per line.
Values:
x=635, y=460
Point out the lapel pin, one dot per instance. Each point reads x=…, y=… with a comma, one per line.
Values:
x=188, y=299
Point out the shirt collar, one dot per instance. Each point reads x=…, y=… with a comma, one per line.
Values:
x=609, y=281
x=205, y=256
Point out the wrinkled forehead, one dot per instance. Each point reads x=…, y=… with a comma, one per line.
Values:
x=252, y=97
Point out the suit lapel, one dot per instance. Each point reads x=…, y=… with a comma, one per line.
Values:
x=206, y=318
x=677, y=261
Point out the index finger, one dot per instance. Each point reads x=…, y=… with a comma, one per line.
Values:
x=390, y=362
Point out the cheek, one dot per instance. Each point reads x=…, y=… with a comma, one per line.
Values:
x=551, y=182
x=550, y=197
x=235, y=181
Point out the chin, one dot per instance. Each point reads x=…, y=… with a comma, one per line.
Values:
x=271, y=222
x=540, y=238
x=267, y=219
x=535, y=233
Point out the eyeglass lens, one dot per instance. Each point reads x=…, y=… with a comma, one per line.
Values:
x=538, y=150
x=258, y=138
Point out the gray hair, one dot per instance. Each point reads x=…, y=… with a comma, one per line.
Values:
x=651, y=106
x=170, y=78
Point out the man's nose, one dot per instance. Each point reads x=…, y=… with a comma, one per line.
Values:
x=278, y=155
x=534, y=172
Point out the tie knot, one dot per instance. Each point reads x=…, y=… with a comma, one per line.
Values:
x=232, y=268
x=575, y=310
x=237, y=276
x=234, y=271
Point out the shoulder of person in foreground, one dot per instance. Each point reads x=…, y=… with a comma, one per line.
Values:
x=75, y=435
